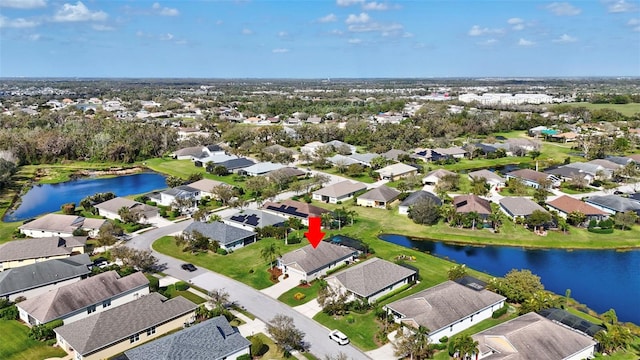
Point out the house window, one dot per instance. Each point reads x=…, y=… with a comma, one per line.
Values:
x=451, y=328
x=471, y=317
x=106, y=303
x=134, y=338
x=91, y=309
x=151, y=331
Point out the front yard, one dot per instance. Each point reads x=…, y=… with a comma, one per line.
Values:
x=15, y=344
x=310, y=292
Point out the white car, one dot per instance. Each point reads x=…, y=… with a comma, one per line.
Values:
x=339, y=337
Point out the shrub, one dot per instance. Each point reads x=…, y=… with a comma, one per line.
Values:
x=4, y=303
x=154, y=283
x=303, y=282
x=444, y=339
x=350, y=319
x=299, y=296
x=258, y=348
x=19, y=299
x=9, y=313
x=593, y=223
x=181, y=286
x=440, y=346
x=55, y=323
x=41, y=332
x=498, y=313
x=221, y=251
x=600, y=231
x=244, y=357
x=250, y=271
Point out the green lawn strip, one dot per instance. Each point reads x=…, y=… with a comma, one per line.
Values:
x=479, y=163
x=361, y=331
x=507, y=192
x=583, y=315
x=184, y=168
x=625, y=109
x=310, y=292
x=15, y=343
x=273, y=353
x=172, y=292
x=363, y=177
x=567, y=189
x=236, y=265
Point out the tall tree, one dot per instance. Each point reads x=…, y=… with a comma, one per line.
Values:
x=270, y=253
x=465, y=347
x=413, y=344
x=285, y=334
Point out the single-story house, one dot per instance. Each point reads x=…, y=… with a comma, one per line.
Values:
x=235, y=165
x=260, y=169
x=594, y=170
x=249, y=219
x=531, y=336
x=341, y=191
x=363, y=159
x=469, y=203
x=35, y=279
x=433, y=177
x=111, y=208
x=61, y=225
x=214, y=339
x=340, y=160
x=311, y=148
x=451, y=152
x=111, y=332
x=605, y=163
x=187, y=153
x=292, y=208
x=524, y=144
x=229, y=237
x=393, y=154
x=620, y=160
x=396, y=171
x=205, y=186
x=568, y=173
x=569, y=136
x=378, y=197
x=493, y=179
x=446, y=309
x=537, y=131
x=310, y=263
x=212, y=160
x=516, y=207
x=288, y=172
x=416, y=197
x=614, y=204
x=371, y=279
x=29, y=251
x=168, y=196
x=565, y=205
x=533, y=178
x=337, y=144
x=76, y=301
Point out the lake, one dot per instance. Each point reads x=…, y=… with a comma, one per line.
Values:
x=46, y=198
x=600, y=279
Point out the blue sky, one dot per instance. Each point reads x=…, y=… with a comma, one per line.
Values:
x=319, y=39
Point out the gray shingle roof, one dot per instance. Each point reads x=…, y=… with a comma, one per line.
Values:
x=263, y=168
x=520, y=206
x=393, y=154
x=444, y=304
x=56, y=223
x=205, y=184
x=531, y=337
x=486, y=174
x=341, y=160
x=108, y=327
x=221, y=232
x=615, y=203
x=39, y=247
x=528, y=174
x=43, y=273
x=340, y=189
x=213, y=339
x=372, y=276
x=114, y=205
x=381, y=193
x=311, y=260
x=255, y=218
x=294, y=208
x=69, y=298
x=417, y=196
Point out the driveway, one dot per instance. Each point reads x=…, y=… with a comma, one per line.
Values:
x=309, y=309
x=385, y=351
x=282, y=286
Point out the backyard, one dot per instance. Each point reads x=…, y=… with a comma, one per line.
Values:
x=16, y=344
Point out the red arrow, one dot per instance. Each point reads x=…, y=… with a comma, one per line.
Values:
x=315, y=234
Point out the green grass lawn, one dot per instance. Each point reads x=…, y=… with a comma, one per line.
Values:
x=15, y=344
x=364, y=177
x=361, y=332
x=567, y=189
x=310, y=292
x=273, y=352
x=625, y=109
x=172, y=292
x=244, y=265
x=184, y=168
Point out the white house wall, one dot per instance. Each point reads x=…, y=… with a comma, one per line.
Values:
x=464, y=323
x=45, y=233
x=28, y=294
x=586, y=353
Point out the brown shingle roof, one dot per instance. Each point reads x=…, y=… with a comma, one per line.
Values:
x=567, y=204
x=528, y=174
x=381, y=193
x=372, y=276
x=39, y=247
x=470, y=203
x=311, y=260
x=340, y=189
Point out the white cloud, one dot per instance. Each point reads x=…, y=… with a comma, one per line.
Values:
x=283, y=34
x=354, y=41
x=348, y=2
x=564, y=39
x=102, y=27
x=385, y=29
x=167, y=37
x=329, y=18
x=375, y=6
x=18, y=23
x=525, y=42
x=78, y=12
x=23, y=4
x=634, y=23
x=336, y=32
x=477, y=31
x=247, y=32
x=488, y=42
x=620, y=6
x=280, y=51
x=164, y=11
x=516, y=23
x=563, y=9
x=358, y=19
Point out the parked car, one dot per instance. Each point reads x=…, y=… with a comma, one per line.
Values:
x=189, y=267
x=339, y=337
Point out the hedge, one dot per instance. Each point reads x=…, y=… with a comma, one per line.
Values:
x=600, y=231
x=503, y=310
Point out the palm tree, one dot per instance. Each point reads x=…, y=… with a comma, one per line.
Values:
x=270, y=252
x=465, y=347
x=218, y=298
x=496, y=216
x=473, y=217
x=448, y=211
x=326, y=219
x=352, y=215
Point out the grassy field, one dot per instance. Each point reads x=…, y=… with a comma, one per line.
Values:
x=244, y=265
x=172, y=292
x=15, y=344
x=310, y=292
x=273, y=352
x=625, y=109
x=184, y=168
x=360, y=332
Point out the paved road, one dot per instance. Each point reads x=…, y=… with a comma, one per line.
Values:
x=259, y=304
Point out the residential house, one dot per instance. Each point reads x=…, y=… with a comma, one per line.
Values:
x=532, y=337
x=214, y=339
x=454, y=152
x=396, y=171
x=378, y=197
x=228, y=237
x=187, y=153
x=614, y=204
x=111, y=209
x=30, y=251
x=341, y=160
x=592, y=171
x=494, y=180
x=620, y=160
x=416, y=197
x=250, y=219
x=81, y=299
x=537, y=131
x=32, y=280
x=235, y=165
x=568, y=173
x=565, y=205
x=606, y=164
x=393, y=154
x=61, y=225
x=289, y=173
x=533, y=178
x=519, y=145
x=565, y=137
x=260, y=169
x=212, y=160
x=111, y=332
x=446, y=309
x=296, y=209
x=182, y=192
x=309, y=263
x=337, y=144
x=205, y=186
x=311, y=148
x=522, y=207
x=371, y=279
x=363, y=159
x=472, y=203
x=433, y=177
x=341, y=191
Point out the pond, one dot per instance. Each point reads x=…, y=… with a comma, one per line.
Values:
x=46, y=198
x=601, y=279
